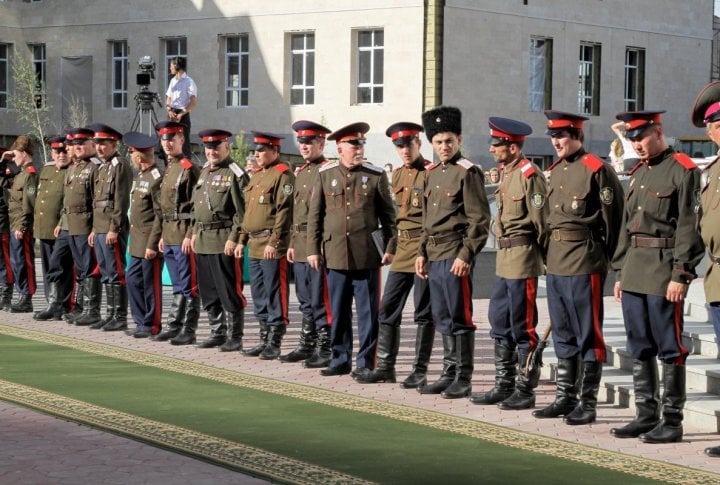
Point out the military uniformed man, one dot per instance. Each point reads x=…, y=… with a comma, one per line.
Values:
x=56, y=258
x=585, y=209
x=176, y=190
x=21, y=207
x=455, y=227
x=658, y=238
x=521, y=233
x=407, y=187
x=109, y=235
x=217, y=215
x=350, y=199
x=266, y=232
x=144, y=273
x=77, y=221
x=310, y=285
x=8, y=170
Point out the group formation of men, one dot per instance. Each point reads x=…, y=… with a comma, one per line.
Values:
x=338, y=222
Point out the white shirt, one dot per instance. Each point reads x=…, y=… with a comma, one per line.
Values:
x=180, y=91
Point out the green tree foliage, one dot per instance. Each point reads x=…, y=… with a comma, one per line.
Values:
x=29, y=102
x=241, y=150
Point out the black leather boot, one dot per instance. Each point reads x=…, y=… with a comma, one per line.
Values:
x=77, y=303
x=586, y=411
x=54, y=309
x=218, y=328
x=323, y=353
x=669, y=429
x=647, y=400
x=505, y=371
x=274, y=340
x=174, y=320
x=91, y=304
x=119, y=310
x=566, y=393
x=713, y=451
x=386, y=355
x=465, y=355
x=449, y=368
x=22, y=305
x=424, y=339
x=109, y=307
x=258, y=349
x=189, y=322
x=306, y=345
x=235, y=327
x=525, y=384
x=6, y=294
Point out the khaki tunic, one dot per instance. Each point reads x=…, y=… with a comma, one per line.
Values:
x=78, y=196
x=176, y=189
x=584, y=196
x=145, y=212
x=407, y=188
x=709, y=217
x=660, y=202
x=456, y=211
x=218, y=206
x=49, y=201
x=345, y=208
x=521, y=213
x=21, y=203
x=8, y=169
x=305, y=178
x=111, y=200
x=269, y=209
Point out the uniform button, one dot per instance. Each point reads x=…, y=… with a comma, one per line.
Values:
x=642, y=186
x=639, y=208
x=347, y=203
x=347, y=233
x=348, y=218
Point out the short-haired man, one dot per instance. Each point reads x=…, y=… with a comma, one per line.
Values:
x=455, y=228
x=655, y=262
x=180, y=99
x=521, y=233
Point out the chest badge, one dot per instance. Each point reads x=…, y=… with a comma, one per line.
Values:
x=606, y=195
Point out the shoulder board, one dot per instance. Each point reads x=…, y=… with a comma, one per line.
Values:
x=592, y=162
x=527, y=168
x=207, y=164
x=324, y=162
x=707, y=167
x=185, y=163
x=433, y=166
x=330, y=165
x=373, y=168
x=237, y=169
x=465, y=163
x=155, y=173
x=31, y=169
x=281, y=167
x=684, y=160
x=96, y=160
x=632, y=170
x=115, y=162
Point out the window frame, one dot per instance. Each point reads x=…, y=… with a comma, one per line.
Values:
x=306, y=57
x=5, y=69
x=180, y=44
x=241, y=92
x=40, y=68
x=119, y=67
x=533, y=61
x=589, y=79
x=370, y=86
x=634, y=88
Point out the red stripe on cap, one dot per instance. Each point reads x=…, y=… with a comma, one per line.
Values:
x=555, y=124
x=352, y=136
x=712, y=109
x=210, y=139
x=403, y=134
x=57, y=144
x=107, y=136
x=310, y=133
x=170, y=129
x=266, y=141
x=507, y=136
x=637, y=123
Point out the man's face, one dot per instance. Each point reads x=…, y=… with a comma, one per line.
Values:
x=502, y=153
x=713, y=131
x=84, y=150
x=311, y=150
x=265, y=156
x=564, y=144
x=217, y=153
x=105, y=148
x=173, y=68
x=60, y=157
x=649, y=143
x=173, y=146
x=446, y=145
x=352, y=153
x=409, y=152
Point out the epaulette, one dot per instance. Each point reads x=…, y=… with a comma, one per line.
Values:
x=632, y=170
x=684, y=160
x=281, y=167
x=592, y=162
x=328, y=166
x=433, y=166
x=554, y=164
x=31, y=169
x=527, y=168
x=186, y=164
x=96, y=160
x=155, y=173
x=706, y=168
x=206, y=165
x=115, y=161
x=465, y=163
x=373, y=168
x=237, y=169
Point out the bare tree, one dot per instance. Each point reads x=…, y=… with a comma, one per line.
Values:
x=78, y=114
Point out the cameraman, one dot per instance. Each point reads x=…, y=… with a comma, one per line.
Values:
x=180, y=99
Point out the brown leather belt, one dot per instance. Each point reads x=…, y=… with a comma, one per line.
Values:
x=409, y=234
x=263, y=233
x=299, y=227
x=101, y=204
x=511, y=242
x=443, y=238
x=206, y=226
x=652, y=242
x=175, y=217
x=571, y=235
x=77, y=210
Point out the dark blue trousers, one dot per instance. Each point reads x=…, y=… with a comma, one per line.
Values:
x=270, y=289
x=312, y=294
x=182, y=270
x=22, y=258
x=513, y=313
x=450, y=299
x=6, y=274
x=83, y=255
x=395, y=295
x=144, y=286
x=111, y=259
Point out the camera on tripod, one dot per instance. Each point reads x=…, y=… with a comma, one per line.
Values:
x=145, y=117
x=146, y=72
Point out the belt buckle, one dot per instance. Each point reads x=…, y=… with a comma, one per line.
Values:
x=432, y=240
x=556, y=235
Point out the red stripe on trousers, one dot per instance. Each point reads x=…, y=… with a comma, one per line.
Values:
x=5, y=241
x=157, y=294
x=284, y=298
x=326, y=297
x=678, y=333
x=239, y=281
x=596, y=301
x=118, y=264
x=193, y=275
x=530, y=298
x=29, y=263
x=73, y=290
x=467, y=299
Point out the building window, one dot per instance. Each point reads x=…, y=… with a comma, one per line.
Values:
x=174, y=48
x=634, y=79
x=370, y=61
x=4, y=74
x=540, y=74
x=302, y=84
x=589, y=79
x=236, y=71
x=39, y=61
x=119, y=74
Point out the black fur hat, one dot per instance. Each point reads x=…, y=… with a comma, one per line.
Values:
x=439, y=120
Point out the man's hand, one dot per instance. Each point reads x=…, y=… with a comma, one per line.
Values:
x=188, y=245
x=239, y=251
x=111, y=238
x=150, y=254
x=161, y=246
x=91, y=239
x=230, y=248
x=56, y=231
x=387, y=259
x=421, y=267
x=617, y=291
x=291, y=255
x=270, y=252
x=460, y=268
x=18, y=235
x=314, y=261
x=676, y=292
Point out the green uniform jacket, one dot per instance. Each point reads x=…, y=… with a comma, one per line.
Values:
x=521, y=213
x=145, y=213
x=269, y=208
x=218, y=206
x=111, y=200
x=49, y=202
x=176, y=189
x=8, y=169
x=407, y=189
x=305, y=178
x=21, y=204
x=457, y=215
x=78, y=196
x=345, y=208
x=709, y=217
x=585, y=198
x=660, y=202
